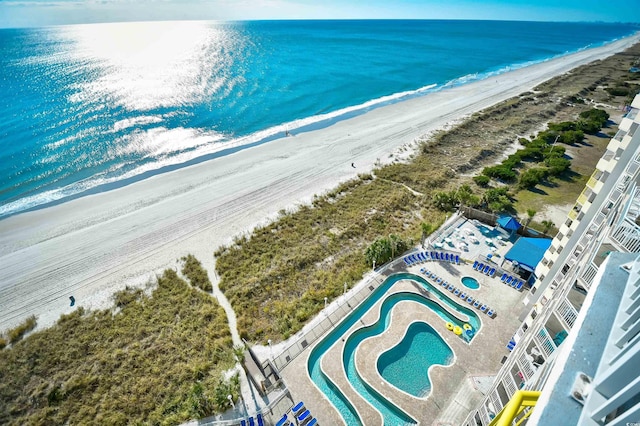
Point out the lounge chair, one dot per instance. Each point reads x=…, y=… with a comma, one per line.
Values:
x=476, y=303
x=456, y=291
x=480, y=266
x=483, y=308
x=251, y=422
x=306, y=421
x=486, y=269
x=463, y=295
x=243, y=422
x=426, y=256
x=511, y=345
x=514, y=282
x=469, y=299
x=312, y=422
x=298, y=408
x=491, y=312
x=304, y=415
x=519, y=286
x=504, y=277
x=284, y=420
x=475, y=264
x=457, y=259
x=260, y=420
x=492, y=272
x=445, y=284
x=508, y=280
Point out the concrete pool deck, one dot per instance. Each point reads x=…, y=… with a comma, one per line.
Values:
x=453, y=393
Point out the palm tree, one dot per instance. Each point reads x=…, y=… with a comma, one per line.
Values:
x=547, y=224
x=427, y=229
x=530, y=214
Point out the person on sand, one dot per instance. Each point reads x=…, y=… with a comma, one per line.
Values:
x=353, y=165
x=73, y=300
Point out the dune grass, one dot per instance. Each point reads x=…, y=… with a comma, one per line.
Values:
x=153, y=359
x=277, y=278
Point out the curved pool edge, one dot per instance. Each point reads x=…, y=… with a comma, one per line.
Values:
x=453, y=358
x=345, y=327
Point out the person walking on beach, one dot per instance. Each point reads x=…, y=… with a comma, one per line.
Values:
x=353, y=165
x=73, y=300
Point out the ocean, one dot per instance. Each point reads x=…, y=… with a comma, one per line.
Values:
x=86, y=108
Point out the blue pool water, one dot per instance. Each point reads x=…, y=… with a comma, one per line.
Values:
x=331, y=391
x=406, y=365
x=470, y=282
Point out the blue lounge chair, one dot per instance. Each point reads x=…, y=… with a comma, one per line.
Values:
x=251, y=422
x=469, y=299
x=243, y=422
x=456, y=291
x=508, y=280
x=283, y=420
x=492, y=272
x=298, y=407
x=260, y=420
x=450, y=287
x=519, y=286
x=475, y=264
x=511, y=345
x=504, y=276
x=312, y=422
x=433, y=255
x=445, y=284
x=486, y=269
x=304, y=415
x=463, y=295
x=483, y=308
x=514, y=282
x=476, y=303
x=491, y=312
x=457, y=259
x=448, y=257
x=406, y=261
x=480, y=266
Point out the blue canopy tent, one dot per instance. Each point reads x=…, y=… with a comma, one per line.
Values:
x=509, y=223
x=528, y=252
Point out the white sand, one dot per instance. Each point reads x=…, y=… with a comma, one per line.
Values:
x=94, y=245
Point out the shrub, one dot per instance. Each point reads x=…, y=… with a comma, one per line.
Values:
x=501, y=172
x=444, y=201
x=482, y=180
x=557, y=165
x=563, y=126
x=498, y=199
x=18, y=332
x=3, y=343
x=531, y=177
x=617, y=91
x=571, y=137
x=193, y=270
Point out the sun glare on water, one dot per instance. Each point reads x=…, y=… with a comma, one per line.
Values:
x=147, y=65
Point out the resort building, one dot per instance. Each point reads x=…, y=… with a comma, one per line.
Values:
x=576, y=353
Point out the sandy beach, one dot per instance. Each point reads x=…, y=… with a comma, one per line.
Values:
x=92, y=246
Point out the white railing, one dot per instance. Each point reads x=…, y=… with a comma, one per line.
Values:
x=567, y=313
x=613, y=398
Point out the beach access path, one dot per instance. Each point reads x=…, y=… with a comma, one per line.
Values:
x=94, y=245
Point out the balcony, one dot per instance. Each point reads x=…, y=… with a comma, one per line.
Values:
x=593, y=379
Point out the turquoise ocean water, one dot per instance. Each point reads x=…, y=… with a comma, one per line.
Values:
x=89, y=107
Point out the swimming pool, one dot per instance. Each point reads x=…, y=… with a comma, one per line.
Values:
x=470, y=282
x=330, y=390
x=406, y=365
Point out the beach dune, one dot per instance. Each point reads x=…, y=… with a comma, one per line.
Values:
x=94, y=245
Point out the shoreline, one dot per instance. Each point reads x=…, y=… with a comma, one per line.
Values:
x=292, y=128
x=94, y=245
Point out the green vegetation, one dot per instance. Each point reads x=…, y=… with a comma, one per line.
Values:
x=156, y=359
x=193, y=270
x=384, y=249
x=18, y=332
x=277, y=278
